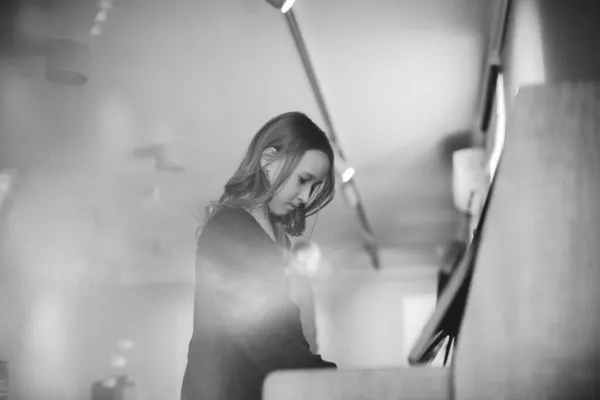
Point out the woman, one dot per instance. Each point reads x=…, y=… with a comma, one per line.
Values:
x=245, y=325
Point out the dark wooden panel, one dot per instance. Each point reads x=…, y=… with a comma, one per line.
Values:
x=531, y=325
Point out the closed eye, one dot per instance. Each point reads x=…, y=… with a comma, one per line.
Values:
x=314, y=188
x=303, y=181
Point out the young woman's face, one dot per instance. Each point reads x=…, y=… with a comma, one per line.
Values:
x=310, y=172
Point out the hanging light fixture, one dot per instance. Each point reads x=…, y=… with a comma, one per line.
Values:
x=283, y=5
x=67, y=62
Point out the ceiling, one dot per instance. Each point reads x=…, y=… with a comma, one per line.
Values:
x=401, y=80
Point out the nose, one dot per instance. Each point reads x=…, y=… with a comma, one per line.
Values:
x=304, y=195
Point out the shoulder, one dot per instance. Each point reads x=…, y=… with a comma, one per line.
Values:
x=227, y=225
x=230, y=241
x=228, y=217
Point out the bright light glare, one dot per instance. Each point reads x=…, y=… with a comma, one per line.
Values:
x=287, y=5
x=347, y=174
x=125, y=344
x=500, y=126
x=101, y=16
x=96, y=30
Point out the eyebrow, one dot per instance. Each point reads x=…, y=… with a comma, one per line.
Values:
x=311, y=176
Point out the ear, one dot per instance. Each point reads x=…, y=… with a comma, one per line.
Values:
x=267, y=156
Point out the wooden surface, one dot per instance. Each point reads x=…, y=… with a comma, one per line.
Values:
x=391, y=384
x=531, y=324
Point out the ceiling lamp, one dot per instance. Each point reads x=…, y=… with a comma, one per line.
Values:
x=347, y=174
x=163, y=159
x=67, y=62
x=283, y=5
x=343, y=170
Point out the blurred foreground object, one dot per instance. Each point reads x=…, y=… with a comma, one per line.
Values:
x=469, y=177
x=307, y=260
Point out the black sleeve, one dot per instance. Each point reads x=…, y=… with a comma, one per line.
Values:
x=250, y=297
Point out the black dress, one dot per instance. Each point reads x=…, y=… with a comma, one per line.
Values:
x=245, y=325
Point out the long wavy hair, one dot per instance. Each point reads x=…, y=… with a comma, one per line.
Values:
x=291, y=134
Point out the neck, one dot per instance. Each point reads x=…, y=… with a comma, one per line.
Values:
x=261, y=214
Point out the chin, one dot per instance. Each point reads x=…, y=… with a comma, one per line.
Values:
x=280, y=211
